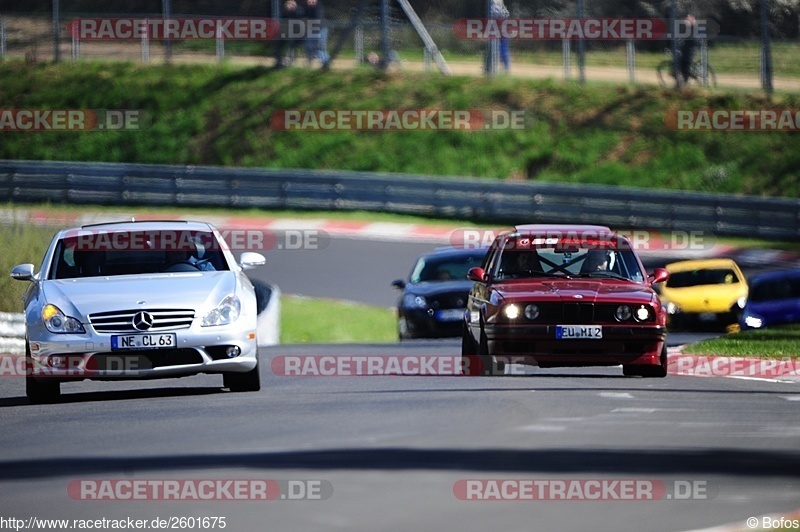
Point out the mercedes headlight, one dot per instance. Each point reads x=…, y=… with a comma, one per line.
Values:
x=226, y=312
x=56, y=322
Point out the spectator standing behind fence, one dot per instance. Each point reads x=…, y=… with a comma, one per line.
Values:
x=688, y=47
x=290, y=12
x=499, y=11
x=317, y=33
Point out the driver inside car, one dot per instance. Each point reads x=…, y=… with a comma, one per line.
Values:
x=597, y=261
x=521, y=263
x=179, y=256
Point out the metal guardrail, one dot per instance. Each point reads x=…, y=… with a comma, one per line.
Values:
x=460, y=198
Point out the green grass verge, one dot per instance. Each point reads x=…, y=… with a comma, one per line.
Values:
x=310, y=320
x=774, y=342
x=19, y=244
x=220, y=115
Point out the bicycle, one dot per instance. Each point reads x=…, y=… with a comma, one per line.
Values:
x=665, y=72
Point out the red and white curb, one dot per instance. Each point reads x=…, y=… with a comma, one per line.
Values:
x=443, y=235
x=786, y=370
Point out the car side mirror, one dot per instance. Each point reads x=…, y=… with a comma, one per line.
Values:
x=399, y=284
x=250, y=260
x=476, y=274
x=659, y=275
x=23, y=272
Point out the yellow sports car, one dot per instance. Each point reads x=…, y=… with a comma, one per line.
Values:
x=706, y=292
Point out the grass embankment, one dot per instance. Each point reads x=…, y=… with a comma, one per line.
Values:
x=309, y=320
x=302, y=320
x=775, y=342
x=221, y=116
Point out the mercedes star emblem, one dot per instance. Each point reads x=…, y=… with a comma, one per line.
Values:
x=142, y=321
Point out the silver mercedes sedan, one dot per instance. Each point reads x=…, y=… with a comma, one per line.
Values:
x=139, y=300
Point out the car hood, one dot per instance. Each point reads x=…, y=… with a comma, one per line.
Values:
x=705, y=297
x=81, y=297
x=439, y=287
x=577, y=290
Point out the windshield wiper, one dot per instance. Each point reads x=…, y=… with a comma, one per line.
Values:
x=606, y=274
x=531, y=273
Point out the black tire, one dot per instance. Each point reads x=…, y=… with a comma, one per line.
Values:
x=469, y=355
x=651, y=372
x=38, y=392
x=243, y=382
x=491, y=366
x=468, y=347
x=631, y=370
x=402, y=330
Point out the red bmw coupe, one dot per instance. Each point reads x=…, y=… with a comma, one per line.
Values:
x=564, y=295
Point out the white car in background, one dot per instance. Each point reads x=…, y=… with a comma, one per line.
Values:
x=139, y=300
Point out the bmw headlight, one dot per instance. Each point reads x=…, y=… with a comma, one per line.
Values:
x=411, y=301
x=623, y=313
x=511, y=312
x=642, y=313
x=226, y=312
x=532, y=311
x=56, y=322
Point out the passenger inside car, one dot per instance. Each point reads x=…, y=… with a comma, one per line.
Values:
x=519, y=263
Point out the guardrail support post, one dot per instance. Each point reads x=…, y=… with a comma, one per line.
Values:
x=630, y=54
x=76, y=42
x=56, y=31
x=566, y=57
x=220, y=43
x=2, y=38
x=146, y=41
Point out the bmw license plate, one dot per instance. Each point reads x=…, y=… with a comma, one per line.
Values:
x=453, y=314
x=143, y=341
x=579, y=332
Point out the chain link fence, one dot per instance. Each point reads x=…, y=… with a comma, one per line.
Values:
x=383, y=33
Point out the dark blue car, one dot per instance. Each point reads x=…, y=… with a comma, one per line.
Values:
x=773, y=299
x=434, y=298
